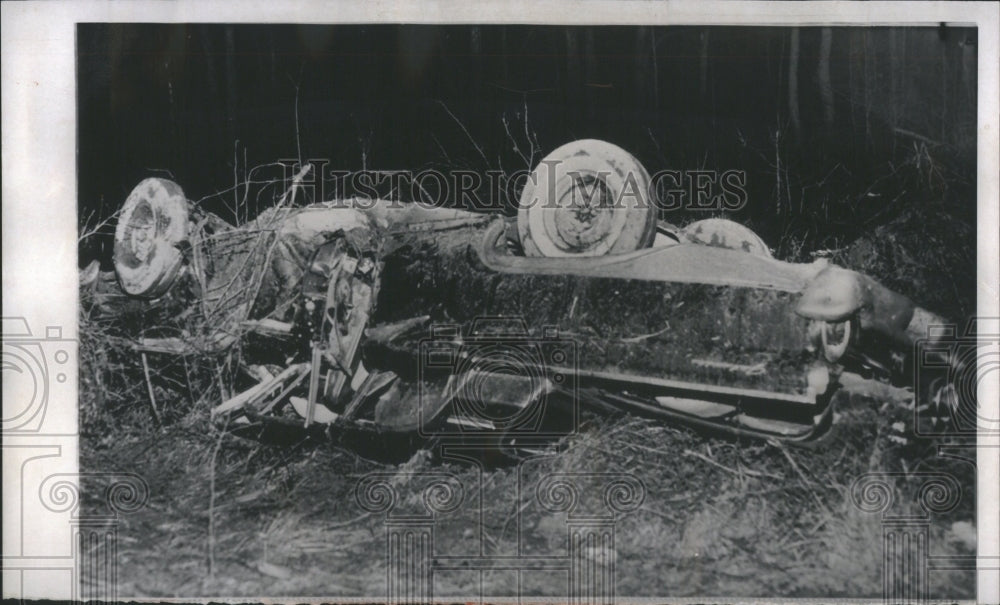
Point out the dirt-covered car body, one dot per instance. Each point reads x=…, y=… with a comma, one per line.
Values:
x=399, y=319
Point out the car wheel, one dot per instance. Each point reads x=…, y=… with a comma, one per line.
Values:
x=153, y=223
x=586, y=198
x=725, y=233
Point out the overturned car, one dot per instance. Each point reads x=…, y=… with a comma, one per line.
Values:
x=375, y=320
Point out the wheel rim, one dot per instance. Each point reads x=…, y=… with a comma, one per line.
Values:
x=153, y=222
x=586, y=198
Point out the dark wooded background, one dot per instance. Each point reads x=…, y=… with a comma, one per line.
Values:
x=836, y=128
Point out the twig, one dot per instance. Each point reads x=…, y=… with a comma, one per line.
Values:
x=149, y=386
x=527, y=159
x=466, y=131
x=641, y=337
x=802, y=475
x=657, y=144
x=424, y=194
x=532, y=138
x=298, y=144
x=223, y=391
x=221, y=193
x=347, y=523
x=777, y=172
x=211, y=500
x=236, y=179
x=671, y=516
x=919, y=137
x=91, y=231
x=296, y=181
x=749, y=472
x=289, y=198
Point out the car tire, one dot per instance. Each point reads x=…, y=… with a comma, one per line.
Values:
x=724, y=233
x=152, y=225
x=586, y=198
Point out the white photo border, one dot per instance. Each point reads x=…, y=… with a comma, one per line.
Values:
x=39, y=187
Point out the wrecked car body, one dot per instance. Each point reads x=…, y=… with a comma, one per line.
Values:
x=374, y=319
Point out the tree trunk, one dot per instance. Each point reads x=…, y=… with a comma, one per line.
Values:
x=640, y=69
x=793, y=81
x=894, y=72
x=703, y=64
x=823, y=75
x=591, y=69
x=869, y=59
x=230, y=79
x=574, y=75
x=943, y=134
x=656, y=76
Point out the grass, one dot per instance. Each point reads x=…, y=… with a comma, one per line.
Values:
x=232, y=517
x=720, y=517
